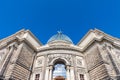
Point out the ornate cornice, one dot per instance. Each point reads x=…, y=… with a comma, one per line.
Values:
x=22, y=36
x=59, y=48
x=86, y=41
x=96, y=35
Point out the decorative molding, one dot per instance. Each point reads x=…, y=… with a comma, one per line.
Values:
x=39, y=61
x=81, y=70
x=65, y=57
x=96, y=35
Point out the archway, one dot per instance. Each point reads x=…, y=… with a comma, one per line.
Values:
x=59, y=71
x=65, y=67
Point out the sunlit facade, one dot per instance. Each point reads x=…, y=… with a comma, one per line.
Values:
x=95, y=57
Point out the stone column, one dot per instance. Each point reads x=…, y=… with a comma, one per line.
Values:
x=47, y=74
x=44, y=68
x=110, y=53
x=72, y=75
x=14, y=57
x=50, y=74
x=6, y=62
x=68, y=73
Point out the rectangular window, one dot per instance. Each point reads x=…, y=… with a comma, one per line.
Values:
x=82, y=77
x=37, y=76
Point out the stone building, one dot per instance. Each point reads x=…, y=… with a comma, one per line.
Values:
x=95, y=57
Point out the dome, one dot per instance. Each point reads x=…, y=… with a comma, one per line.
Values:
x=60, y=37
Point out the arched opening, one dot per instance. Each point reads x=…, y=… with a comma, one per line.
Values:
x=59, y=70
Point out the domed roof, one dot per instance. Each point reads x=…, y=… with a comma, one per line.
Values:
x=60, y=37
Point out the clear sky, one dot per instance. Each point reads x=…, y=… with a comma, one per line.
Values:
x=45, y=17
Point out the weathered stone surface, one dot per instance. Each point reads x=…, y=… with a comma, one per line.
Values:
x=20, y=72
x=95, y=57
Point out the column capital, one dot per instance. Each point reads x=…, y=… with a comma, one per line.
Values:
x=71, y=67
x=68, y=67
x=68, y=72
x=47, y=68
x=51, y=67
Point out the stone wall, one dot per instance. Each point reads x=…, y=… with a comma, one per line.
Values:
x=23, y=66
x=20, y=72
x=95, y=64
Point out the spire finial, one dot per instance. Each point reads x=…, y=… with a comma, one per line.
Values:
x=59, y=32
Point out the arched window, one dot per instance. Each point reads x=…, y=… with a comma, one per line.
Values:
x=59, y=70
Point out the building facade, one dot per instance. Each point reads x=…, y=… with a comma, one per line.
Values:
x=95, y=57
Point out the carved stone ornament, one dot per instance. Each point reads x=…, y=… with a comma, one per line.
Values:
x=81, y=70
x=39, y=63
x=66, y=56
x=2, y=54
x=117, y=55
x=38, y=70
x=79, y=62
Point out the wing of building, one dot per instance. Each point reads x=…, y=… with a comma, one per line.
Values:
x=95, y=57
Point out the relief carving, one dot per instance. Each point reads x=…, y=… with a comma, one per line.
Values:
x=38, y=70
x=66, y=56
x=39, y=61
x=117, y=54
x=79, y=62
x=81, y=70
x=2, y=54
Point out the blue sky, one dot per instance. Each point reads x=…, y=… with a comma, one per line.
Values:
x=59, y=70
x=45, y=17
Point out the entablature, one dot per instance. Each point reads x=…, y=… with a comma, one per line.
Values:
x=59, y=51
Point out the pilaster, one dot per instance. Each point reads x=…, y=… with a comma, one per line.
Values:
x=9, y=63
x=68, y=73
x=50, y=74
x=72, y=75
x=47, y=74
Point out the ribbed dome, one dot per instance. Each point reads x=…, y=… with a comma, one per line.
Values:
x=60, y=36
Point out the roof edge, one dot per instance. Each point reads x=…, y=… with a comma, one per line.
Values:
x=95, y=35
